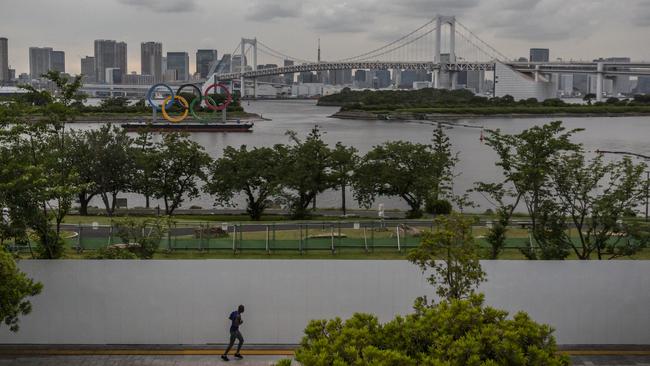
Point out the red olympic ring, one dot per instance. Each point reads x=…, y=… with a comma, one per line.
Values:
x=228, y=97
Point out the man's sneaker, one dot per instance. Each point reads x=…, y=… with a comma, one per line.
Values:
x=225, y=358
x=238, y=356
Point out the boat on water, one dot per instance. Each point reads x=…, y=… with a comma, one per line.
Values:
x=189, y=127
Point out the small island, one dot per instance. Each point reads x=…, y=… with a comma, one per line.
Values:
x=431, y=104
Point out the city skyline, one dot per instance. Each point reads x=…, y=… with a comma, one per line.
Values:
x=343, y=27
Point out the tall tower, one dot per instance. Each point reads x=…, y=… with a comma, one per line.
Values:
x=151, y=60
x=109, y=54
x=4, y=59
x=441, y=76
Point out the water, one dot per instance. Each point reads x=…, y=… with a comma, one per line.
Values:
x=476, y=159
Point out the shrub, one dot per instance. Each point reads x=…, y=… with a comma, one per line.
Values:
x=284, y=362
x=114, y=253
x=438, y=207
x=145, y=234
x=456, y=332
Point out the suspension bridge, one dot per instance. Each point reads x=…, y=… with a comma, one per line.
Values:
x=442, y=46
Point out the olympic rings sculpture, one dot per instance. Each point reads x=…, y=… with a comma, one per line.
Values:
x=176, y=98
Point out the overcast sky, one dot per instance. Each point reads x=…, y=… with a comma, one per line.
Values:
x=572, y=29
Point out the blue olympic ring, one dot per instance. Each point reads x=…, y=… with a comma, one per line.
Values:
x=156, y=106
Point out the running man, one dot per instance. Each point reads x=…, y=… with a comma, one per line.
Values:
x=235, y=317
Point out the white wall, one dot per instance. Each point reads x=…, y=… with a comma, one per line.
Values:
x=187, y=301
x=521, y=86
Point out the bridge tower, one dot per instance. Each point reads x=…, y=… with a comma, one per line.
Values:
x=253, y=44
x=441, y=76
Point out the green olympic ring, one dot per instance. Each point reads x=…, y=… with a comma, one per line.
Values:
x=201, y=99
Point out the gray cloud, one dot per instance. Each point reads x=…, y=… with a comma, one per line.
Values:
x=267, y=10
x=163, y=6
x=544, y=20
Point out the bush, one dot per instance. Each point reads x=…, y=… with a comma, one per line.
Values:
x=114, y=253
x=284, y=362
x=145, y=234
x=438, y=207
x=457, y=332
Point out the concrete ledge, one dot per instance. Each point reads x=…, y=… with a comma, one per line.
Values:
x=256, y=350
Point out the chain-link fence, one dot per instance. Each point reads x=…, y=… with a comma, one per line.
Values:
x=327, y=236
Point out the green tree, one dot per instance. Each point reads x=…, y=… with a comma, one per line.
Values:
x=403, y=169
x=179, y=167
x=144, y=153
x=444, y=161
x=526, y=160
x=452, y=255
x=596, y=197
x=15, y=288
x=80, y=155
x=112, y=163
x=497, y=233
x=256, y=173
x=307, y=171
x=344, y=162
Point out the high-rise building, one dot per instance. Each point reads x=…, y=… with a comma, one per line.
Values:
x=58, y=61
x=113, y=75
x=288, y=78
x=151, y=60
x=40, y=61
x=109, y=54
x=4, y=59
x=12, y=74
x=88, y=69
x=539, y=55
x=179, y=61
x=380, y=78
x=205, y=59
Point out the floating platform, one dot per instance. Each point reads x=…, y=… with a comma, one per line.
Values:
x=189, y=127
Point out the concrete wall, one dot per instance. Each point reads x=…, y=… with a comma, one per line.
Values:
x=187, y=301
x=521, y=86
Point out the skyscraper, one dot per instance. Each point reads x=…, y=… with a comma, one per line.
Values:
x=88, y=69
x=4, y=59
x=40, y=61
x=204, y=61
x=109, y=54
x=539, y=55
x=288, y=78
x=179, y=61
x=151, y=60
x=58, y=61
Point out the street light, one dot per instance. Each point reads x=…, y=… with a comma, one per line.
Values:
x=647, y=182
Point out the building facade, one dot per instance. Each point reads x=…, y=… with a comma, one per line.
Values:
x=40, y=61
x=539, y=55
x=180, y=62
x=4, y=59
x=58, y=61
x=151, y=60
x=109, y=54
x=205, y=59
x=88, y=69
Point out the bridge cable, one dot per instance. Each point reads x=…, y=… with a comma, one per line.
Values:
x=389, y=44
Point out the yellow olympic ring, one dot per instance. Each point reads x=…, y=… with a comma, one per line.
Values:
x=183, y=102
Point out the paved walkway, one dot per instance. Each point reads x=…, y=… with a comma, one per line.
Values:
x=137, y=361
x=210, y=360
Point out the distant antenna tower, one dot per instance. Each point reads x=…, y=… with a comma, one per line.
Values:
x=319, y=50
